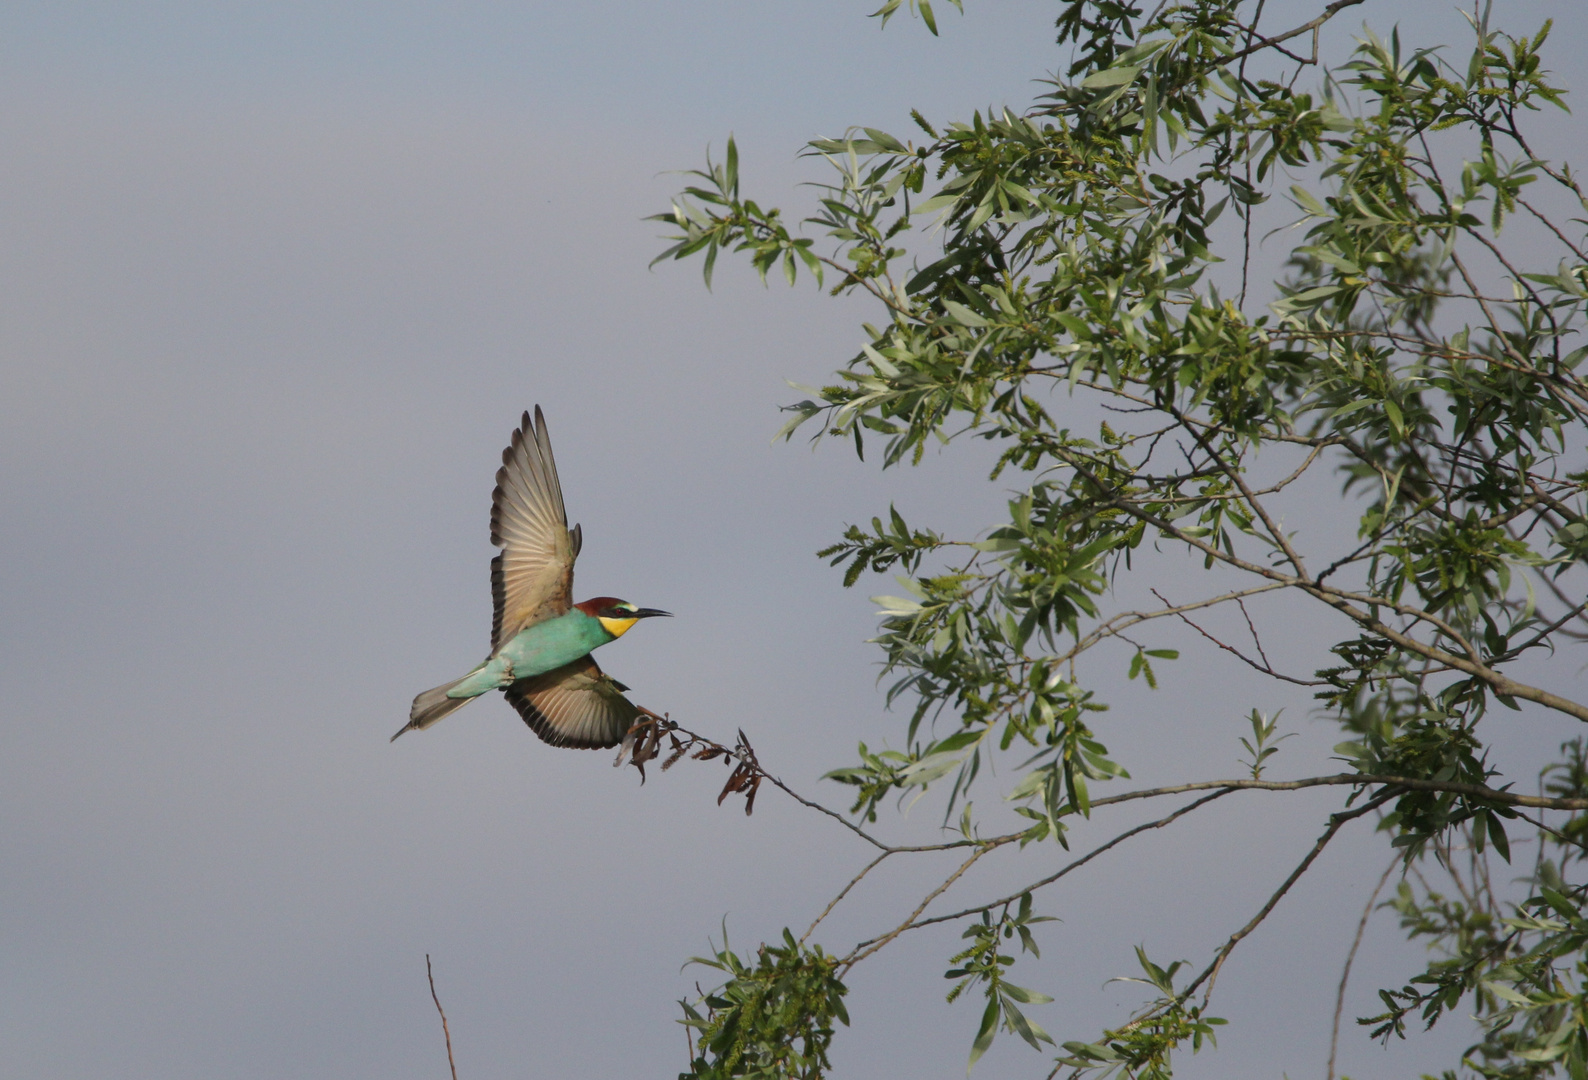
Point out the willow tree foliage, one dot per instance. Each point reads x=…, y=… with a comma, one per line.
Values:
x=1417, y=364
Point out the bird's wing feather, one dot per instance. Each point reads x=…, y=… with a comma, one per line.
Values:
x=532, y=579
x=576, y=705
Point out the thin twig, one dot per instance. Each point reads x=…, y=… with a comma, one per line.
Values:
x=1313, y=26
x=1344, y=601
x=1345, y=973
x=858, y=955
x=1076, y=865
x=1274, y=529
x=643, y=744
x=1556, y=833
x=1212, y=970
x=1545, y=633
x=1263, y=667
x=1550, y=225
x=1127, y=619
x=444, y=1029
x=843, y=893
x=1476, y=791
x=1246, y=155
x=1449, y=787
x=1210, y=974
x=835, y=815
x=1253, y=628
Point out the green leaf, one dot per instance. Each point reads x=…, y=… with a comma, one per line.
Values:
x=985, y=1033
x=895, y=606
x=1022, y=995
x=964, y=315
x=1392, y=412
x=1119, y=76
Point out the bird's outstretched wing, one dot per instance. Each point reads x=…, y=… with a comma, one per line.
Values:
x=577, y=705
x=532, y=579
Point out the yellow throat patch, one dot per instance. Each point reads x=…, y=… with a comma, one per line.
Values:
x=617, y=627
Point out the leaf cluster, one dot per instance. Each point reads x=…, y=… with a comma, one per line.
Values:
x=773, y=1017
x=983, y=964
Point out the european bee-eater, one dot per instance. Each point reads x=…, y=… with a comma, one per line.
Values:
x=540, y=640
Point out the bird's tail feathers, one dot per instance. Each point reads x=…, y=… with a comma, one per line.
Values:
x=432, y=705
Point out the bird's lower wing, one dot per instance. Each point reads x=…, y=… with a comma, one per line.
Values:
x=576, y=705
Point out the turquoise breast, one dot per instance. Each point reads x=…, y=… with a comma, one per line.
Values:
x=553, y=643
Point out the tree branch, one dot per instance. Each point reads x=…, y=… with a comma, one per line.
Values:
x=1051, y=878
x=856, y=955
x=841, y=894
x=1210, y=974
x=1350, y=957
x=1343, y=601
x=1475, y=791
x=1264, y=666
x=1312, y=26
x=445, y=1031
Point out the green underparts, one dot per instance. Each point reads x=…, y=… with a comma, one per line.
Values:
x=534, y=651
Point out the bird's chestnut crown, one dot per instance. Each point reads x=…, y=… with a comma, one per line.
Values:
x=616, y=615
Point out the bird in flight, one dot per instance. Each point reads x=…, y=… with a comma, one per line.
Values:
x=540, y=640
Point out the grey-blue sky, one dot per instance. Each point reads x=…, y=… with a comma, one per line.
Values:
x=275, y=282
x=620, y=64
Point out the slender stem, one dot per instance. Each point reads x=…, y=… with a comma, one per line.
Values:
x=1476, y=791
x=1350, y=957
x=1246, y=157
x=445, y=1031
x=1210, y=974
x=835, y=815
x=1545, y=633
x=1473, y=791
x=1345, y=602
x=1556, y=833
x=1076, y=865
x=1292, y=556
x=1306, y=27
x=860, y=952
x=1127, y=619
x=843, y=893
x=1263, y=667
x=1550, y=225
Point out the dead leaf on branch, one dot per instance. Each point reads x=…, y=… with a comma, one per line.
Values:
x=643, y=743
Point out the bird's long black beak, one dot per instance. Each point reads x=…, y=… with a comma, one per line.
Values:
x=647, y=612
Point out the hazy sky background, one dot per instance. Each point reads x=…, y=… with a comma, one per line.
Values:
x=276, y=281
